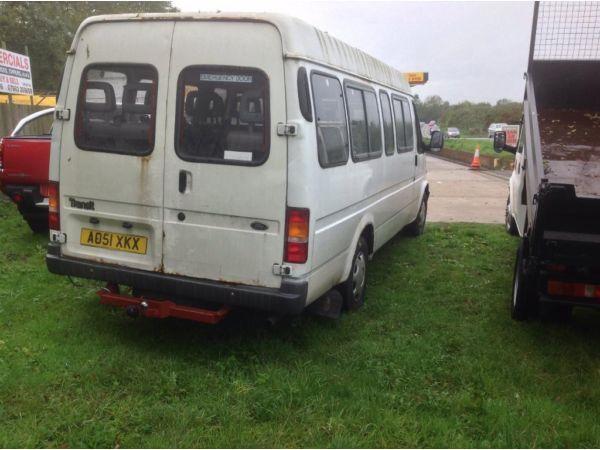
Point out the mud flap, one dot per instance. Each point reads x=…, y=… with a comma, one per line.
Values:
x=329, y=305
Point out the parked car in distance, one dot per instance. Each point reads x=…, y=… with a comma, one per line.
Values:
x=263, y=177
x=453, y=132
x=24, y=159
x=493, y=128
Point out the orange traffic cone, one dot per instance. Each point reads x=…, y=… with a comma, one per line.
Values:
x=476, y=164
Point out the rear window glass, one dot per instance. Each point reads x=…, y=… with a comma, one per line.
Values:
x=374, y=123
x=401, y=138
x=116, y=109
x=332, y=131
x=408, y=124
x=223, y=115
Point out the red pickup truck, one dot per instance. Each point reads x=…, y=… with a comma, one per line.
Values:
x=24, y=159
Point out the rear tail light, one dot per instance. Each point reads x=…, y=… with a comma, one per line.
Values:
x=53, y=206
x=296, y=235
x=562, y=289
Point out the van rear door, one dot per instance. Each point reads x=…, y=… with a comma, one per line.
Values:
x=112, y=151
x=225, y=165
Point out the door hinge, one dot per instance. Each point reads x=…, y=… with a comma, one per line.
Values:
x=287, y=129
x=62, y=114
x=282, y=269
x=57, y=236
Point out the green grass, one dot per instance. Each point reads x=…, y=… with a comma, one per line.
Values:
x=485, y=147
x=432, y=360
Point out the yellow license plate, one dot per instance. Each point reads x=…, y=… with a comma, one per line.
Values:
x=114, y=241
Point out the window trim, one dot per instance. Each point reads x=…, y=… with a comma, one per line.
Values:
x=363, y=88
x=79, y=109
x=404, y=148
x=179, y=109
x=387, y=95
x=334, y=77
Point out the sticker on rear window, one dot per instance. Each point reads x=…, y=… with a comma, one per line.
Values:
x=225, y=78
x=238, y=156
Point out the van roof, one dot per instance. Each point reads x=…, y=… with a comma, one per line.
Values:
x=300, y=41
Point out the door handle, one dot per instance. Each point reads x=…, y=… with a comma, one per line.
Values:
x=185, y=181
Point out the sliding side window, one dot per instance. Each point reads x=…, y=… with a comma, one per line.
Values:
x=116, y=109
x=332, y=129
x=388, y=127
x=365, y=126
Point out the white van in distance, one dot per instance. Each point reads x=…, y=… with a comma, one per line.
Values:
x=228, y=160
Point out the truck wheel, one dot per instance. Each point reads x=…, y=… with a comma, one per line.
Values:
x=417, y=227
x=354, y=288
x=509, y=220
x=523, y=301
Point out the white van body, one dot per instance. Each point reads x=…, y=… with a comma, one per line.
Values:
x=212, y=223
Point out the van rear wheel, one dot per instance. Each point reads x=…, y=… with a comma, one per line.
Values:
x=355, y=286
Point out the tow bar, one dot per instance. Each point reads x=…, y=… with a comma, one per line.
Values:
x=158, y=309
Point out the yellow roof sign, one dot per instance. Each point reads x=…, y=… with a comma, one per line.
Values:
x=415, y=78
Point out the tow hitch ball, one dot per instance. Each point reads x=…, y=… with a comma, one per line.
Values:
x=134, y=311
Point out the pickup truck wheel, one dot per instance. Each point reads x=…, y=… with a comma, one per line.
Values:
x=355, y=286
x=509, y=220
x=417, y=227
x=523, y=301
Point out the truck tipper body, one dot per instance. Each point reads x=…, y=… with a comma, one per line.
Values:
x=555, y=188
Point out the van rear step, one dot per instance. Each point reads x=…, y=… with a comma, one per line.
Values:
x=158, y=309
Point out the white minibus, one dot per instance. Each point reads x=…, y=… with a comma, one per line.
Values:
x=213, y=161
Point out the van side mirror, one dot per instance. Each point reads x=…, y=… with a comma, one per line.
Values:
x=500, y=143
x=437, y=141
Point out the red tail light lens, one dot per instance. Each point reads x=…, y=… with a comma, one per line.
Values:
x=53, y=206
x=296, y=235
x=573, y=289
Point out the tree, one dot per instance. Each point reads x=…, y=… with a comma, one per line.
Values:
x=47, y=29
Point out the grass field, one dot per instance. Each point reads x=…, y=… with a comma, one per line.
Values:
x=485, y=147
x=431, y=360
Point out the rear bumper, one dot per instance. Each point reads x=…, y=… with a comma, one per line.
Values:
x=289, y=299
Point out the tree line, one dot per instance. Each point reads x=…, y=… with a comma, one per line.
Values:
x=473, y=119
x=46, y=29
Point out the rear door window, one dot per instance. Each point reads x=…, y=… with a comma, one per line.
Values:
x=116, y=109
x=332, y=129
x=223, y=115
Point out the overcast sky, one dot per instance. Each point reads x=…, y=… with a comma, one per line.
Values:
x=473, y=51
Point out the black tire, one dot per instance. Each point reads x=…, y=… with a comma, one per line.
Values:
x=509, y=220
x=355, y=286
x=417, y=227
x=36, y=218
x=523, y=303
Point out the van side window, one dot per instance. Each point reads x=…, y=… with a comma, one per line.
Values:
x=419, y=136
x=222, y=115
x=401, y=138
x=359, y=137
x=304, y=94
x=365, y=125
x=408, y=124
x=116, y=109
x=332, y=128
x=388, y=127
x=375, y=144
